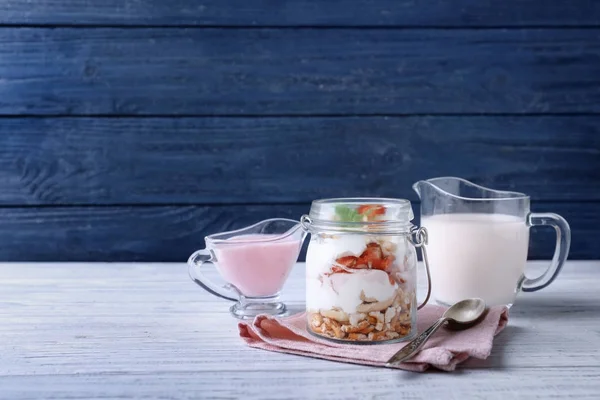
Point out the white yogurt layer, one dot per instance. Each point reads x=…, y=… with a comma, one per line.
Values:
x=343, y=290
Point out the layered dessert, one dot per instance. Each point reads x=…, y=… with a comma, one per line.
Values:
x=360, y=286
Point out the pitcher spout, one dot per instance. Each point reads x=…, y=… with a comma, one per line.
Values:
x=420, y=187
x=430, y=189
x=461, y=189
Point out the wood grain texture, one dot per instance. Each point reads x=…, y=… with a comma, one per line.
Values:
x=97, y=331
x=435, y=13
x=302, y=71
x=171, y=233
x=91, y=161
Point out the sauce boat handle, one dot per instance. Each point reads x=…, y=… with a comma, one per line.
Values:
x=195, y=262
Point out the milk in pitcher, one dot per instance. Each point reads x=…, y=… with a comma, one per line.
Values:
x=476, y=255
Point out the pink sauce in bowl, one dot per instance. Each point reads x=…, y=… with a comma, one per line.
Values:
x=257, y=264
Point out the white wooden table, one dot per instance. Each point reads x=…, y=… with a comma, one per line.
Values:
x=98, y=331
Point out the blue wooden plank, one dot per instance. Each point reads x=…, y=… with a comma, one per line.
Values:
x=173, y=233
x=302, y=72
x=45, y=161
x=304, y=12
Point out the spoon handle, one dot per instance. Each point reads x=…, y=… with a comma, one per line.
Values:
x=415, y=345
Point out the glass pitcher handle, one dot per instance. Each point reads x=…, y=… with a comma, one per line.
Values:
x=420, y=241
x=196, y=260
x=563, y=242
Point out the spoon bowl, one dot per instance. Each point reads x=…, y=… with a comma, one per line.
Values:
x=465, y=313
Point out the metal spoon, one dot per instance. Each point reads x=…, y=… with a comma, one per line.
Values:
x=461, y=315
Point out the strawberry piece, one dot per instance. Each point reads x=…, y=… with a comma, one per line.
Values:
x=371, y=210
x=386, y=262
x=374, y=250
x=337, y=270
x=372, y=256
x=346, y=261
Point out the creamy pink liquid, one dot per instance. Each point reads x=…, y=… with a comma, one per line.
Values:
x=256, y=266
x=476, y=255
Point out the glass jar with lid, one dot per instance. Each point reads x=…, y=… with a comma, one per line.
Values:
x=361, y=265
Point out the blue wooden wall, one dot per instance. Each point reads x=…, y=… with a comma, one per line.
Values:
x=130, y=129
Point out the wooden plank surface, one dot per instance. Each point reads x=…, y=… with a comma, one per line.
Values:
x=97, y=331
x=172, y=233
x=87, y=161
x=353, y=13
x=117, y=71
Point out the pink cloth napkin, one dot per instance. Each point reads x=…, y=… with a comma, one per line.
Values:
x=445, y=350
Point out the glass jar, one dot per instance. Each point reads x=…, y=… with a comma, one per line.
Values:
x=361, y=279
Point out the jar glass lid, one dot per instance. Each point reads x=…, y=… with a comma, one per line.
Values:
x=361, y=211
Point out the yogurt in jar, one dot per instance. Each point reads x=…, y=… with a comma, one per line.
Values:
x=360, y=287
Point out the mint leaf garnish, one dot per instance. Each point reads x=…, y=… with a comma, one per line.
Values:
x=347, y=214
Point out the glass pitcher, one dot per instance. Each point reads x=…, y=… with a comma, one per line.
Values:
x=361, y=270
x=478, y=241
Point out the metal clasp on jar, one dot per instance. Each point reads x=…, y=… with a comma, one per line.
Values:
x=305, y=222
x=418, y=238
